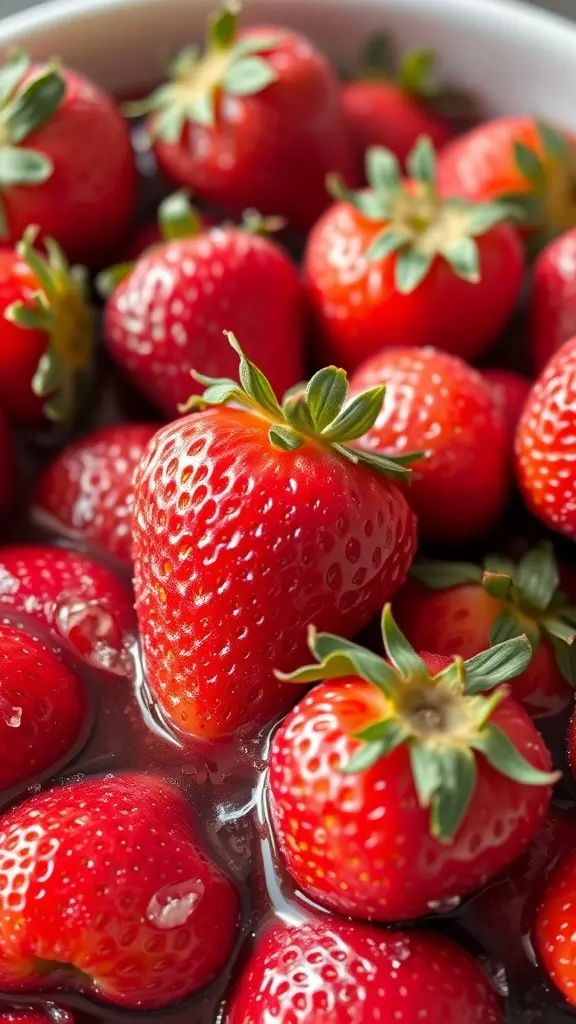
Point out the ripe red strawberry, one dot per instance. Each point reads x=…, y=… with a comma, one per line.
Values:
x=439, y=404
x=87, y=493
x=460, y=608
x=78, y=600
x=510, y=391
x=392, y=103
x=398, y=265
x=7, y=471
x=552, y=312
x=251, y=523
x=104, y=889
x=81, y=193
x=554, y=928
x=328, y=971
x=399, y=789
x=519, y=159
x=45, y=332
x=167, y=317
x=545, y=466
x=500, y=917
x=235, y=124
x=41, y=707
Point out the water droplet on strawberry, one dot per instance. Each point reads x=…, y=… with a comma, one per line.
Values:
x=12, y=715
x=172, y=905
x=445, y=905
x=93, y=632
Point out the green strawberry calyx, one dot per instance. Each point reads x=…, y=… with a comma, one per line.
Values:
x=230, y=65
x=548, y=205
x=533, y=602
x=25, y=105
x=317, y=410
x=415, y=72
x=59, y=309
x=444, y=720
x=418, y=226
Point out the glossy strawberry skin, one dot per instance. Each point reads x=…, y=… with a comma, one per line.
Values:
x=438, y=404
x=510, y=391
x=544, y=447
x=360, y=844
x=7, y=468
x=252, y=157
x=359, y=310
x=459, y=621
x=76, y=600
x=481, y=165
x=87, y=202
x=169, y=315
x=552, y=311
x=381, y=113
x=90, y=876
x=238, y=548
x=87, y=493
x=336, y=972
x=20, y=349
x=554, y=928
x=42, y=707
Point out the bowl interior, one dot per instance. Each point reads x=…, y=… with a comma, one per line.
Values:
x=514, y=56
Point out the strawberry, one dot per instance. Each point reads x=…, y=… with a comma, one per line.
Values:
x=510, y=390
x=459, y=608
x=328, y=971
x=251, y=521
x=45, y=332
x=42, y=707
x=392, y=103
x=518, y=159
x=396, y=264
x=552, y=311
x=441, y=405
x=499, y=918
x=400, y=788
x=554, y=928
x=168, y=315
x=87, y=493
x=7, y=469
x=78, y=601
x=544, y=448
x=67, y=159
x=104, y=889
x=234, y=125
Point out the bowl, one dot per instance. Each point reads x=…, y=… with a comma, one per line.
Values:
x=516, y=57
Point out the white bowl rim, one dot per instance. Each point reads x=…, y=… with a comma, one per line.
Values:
x=506, y=15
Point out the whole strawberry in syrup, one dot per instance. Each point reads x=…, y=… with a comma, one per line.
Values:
x=167, y=316
x=545, y=464
x=329, y=971
x=105, y=889
x=253, y=520
x=46, y=333
x=87, y=493
x=42, y=707
x=257, y=121
x=66, y=160
x=402, y=264
x=459, y=608
x=398, y=787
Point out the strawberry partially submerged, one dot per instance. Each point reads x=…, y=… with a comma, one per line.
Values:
x=398, y=787
x=252, y=520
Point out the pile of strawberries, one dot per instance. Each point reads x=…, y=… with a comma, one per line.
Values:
x=287, y=667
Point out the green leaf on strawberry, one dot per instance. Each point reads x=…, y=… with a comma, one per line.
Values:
x=444, y=718
x=59, y=309
x=230, y=65
x=418, y=224
x=533, y=602
x=318, y=410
